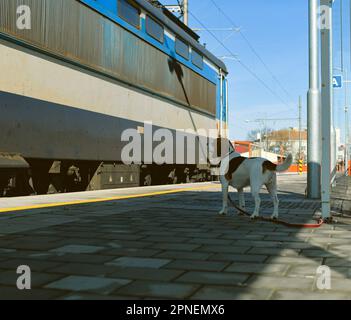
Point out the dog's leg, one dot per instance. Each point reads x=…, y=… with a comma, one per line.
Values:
x=272, y=189
x=241, y=199
x=255, y=191
x=225, y=187
x=256, y=196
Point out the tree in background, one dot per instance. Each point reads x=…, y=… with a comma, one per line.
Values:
x=254, y=135
x=289, y=140
x=281, y=141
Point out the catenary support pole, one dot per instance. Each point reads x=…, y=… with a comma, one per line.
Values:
x=300, y=128
x=347, y=135
x=186, y=12
x=347, y=123
x=327, y=101
x=313, y=116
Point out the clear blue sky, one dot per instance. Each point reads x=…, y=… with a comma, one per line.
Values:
x=278, y=30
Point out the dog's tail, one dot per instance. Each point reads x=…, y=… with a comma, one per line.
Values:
x=286, y=165
x=267, y=165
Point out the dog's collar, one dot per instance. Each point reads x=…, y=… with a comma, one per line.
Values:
x=227, y=155
x=230, y=153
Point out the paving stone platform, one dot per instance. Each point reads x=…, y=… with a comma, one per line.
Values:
x=341, y=196
x=174, y=246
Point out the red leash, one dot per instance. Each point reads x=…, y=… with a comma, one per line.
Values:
x=319, y=223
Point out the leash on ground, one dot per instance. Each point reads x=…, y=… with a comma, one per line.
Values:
x=319, y=223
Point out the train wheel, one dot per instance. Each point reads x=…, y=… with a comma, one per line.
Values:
x=4, y=181
x=17, y=183
x=172, y=177
x=148, y=180
x=39, y=174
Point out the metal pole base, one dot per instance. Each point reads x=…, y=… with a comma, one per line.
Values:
x=330, y=220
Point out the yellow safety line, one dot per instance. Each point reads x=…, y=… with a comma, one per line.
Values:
x=134, y=196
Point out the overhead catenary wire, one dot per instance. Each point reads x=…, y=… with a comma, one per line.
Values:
x=252, y=49
x=241, y=63
x=341, y=36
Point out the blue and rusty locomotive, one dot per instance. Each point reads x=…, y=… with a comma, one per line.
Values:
x=84, y=72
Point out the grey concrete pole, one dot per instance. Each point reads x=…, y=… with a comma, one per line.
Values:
x=300, y=126
x=327, y=102
x=346, y=156
x=347, y=123
x=186, y=12
x=221, y=103
x=347, y=143
x=313, y=110
x=333, y=143
x=227, y=106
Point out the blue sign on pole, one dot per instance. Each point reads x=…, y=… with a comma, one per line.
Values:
x=337, y=82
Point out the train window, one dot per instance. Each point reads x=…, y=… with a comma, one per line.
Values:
x=197, y=59
x=129, y=13
x=154, y=29
x=182, y=48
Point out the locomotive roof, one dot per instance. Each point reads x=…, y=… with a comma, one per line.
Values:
x=181, y=31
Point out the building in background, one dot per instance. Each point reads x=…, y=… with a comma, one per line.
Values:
x=243, y=147
x=340, y=148
x=288, y=141
x=252, y=149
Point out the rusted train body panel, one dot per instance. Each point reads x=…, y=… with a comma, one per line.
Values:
x=76, y=80
x=68, y=29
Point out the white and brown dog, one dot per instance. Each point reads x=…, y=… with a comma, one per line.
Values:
x=240, y=172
